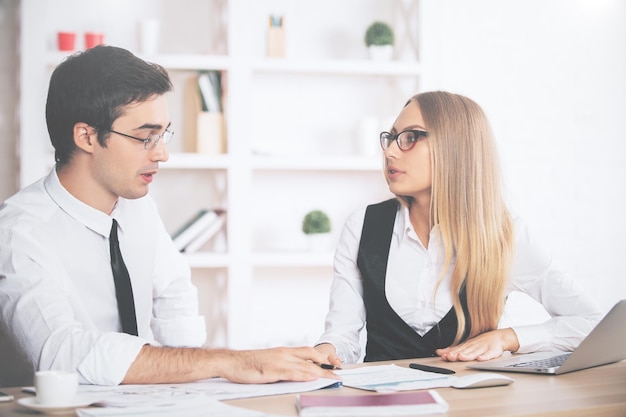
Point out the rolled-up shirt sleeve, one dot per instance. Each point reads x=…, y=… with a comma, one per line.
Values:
x=573, y=313
x=108, y=360
x=175, y=320
x=345, y=319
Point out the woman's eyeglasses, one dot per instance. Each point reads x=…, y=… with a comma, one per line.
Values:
x=405, y=139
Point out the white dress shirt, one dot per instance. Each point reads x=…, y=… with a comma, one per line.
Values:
x=412, y=274
x=58, y=308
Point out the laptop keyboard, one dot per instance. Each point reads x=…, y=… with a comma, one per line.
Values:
x=552, y=362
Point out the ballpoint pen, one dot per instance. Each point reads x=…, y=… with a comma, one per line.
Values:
x=329, y=366
x=431, y=369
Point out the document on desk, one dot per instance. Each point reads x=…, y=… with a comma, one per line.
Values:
x=198, y=407
x=392, y=378
x=215, y=388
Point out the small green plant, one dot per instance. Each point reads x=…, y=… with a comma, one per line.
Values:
x=379, y=33
x=315, y=221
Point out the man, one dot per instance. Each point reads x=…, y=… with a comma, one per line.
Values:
x=61, y=306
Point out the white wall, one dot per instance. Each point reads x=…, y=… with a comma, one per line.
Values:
x=551, y=75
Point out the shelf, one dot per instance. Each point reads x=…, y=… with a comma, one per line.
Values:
x=170, y=61
x=292, y=260
x=197, y=62
x=318, y=163
x=191, y=61
x=189, y=160
x=339, y=67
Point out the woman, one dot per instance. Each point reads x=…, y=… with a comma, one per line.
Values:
x=429, y=271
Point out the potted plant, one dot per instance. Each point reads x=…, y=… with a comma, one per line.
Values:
x=316, y=226
x=379, y=40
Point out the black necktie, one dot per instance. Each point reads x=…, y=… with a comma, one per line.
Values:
x=123, y=290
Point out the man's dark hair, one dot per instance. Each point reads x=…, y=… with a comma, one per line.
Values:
x=93, y=87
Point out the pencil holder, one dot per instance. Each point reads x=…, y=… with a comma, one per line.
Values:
x=276, y=37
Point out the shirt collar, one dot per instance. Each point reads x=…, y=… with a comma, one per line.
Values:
x=90, y=217
x=405, y=224
x=404, y=221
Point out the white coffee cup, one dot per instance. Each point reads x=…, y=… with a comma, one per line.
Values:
x=55, y=387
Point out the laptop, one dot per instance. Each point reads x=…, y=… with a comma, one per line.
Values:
x=605, y=344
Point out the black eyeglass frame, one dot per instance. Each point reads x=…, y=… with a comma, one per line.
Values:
x=151, y=141
x=386, y=138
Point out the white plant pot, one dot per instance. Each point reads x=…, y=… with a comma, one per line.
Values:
x=381, y=52
x=319, y=242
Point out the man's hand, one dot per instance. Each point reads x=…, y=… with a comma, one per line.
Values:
x=331, y=354
x=483, y=347
x=276, y=364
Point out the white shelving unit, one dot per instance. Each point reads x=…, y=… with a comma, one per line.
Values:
x=266, y=289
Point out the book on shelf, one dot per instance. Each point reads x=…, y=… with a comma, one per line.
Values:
x=207, y=234
x=196, y=230
x=388, y=404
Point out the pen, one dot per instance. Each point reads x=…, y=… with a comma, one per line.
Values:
x=329, y=366
x=431, y=369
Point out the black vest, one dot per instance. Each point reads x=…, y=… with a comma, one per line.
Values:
x=388, y=336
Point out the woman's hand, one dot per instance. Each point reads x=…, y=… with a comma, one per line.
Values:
x=485, y=346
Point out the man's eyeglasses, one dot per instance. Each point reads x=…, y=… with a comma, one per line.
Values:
x=151, y=141
x=405, y=139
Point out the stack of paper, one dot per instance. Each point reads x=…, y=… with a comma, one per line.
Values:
x=192, y=399
x=200, y=407
x=392, y=378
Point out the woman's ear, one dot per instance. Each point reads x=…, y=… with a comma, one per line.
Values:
x=85, y=137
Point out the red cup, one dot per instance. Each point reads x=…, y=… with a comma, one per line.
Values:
x=66, y=41
x=93, y=39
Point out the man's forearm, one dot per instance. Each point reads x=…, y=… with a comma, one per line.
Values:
x=155, y=365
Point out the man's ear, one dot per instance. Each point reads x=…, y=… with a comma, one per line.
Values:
x=85, y=137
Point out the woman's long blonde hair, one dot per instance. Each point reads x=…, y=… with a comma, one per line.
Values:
x=468, y=205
